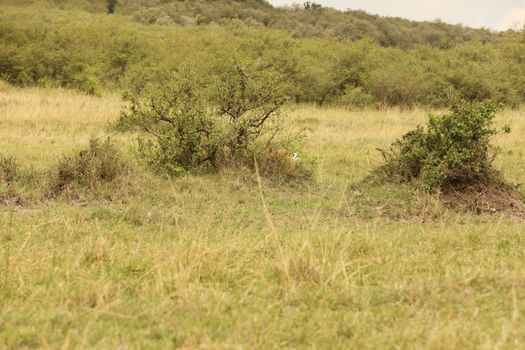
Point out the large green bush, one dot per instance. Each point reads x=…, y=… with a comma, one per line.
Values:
x=453, y=151
x=179, y=131
x=187, y=125
x=250, y=98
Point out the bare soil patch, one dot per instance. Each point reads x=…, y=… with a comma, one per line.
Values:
x=485, y=197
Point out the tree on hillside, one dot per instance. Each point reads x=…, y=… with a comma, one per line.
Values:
x=311, y=5
x=112, y=4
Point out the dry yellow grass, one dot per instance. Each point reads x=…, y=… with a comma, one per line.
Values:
x=41, y=124
x=193, y=263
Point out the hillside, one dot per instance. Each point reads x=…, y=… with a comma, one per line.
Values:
x=300, y=21
x=77, y=45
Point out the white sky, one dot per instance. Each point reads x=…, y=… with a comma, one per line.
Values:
x=494, y=14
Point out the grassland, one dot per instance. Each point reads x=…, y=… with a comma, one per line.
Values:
x=195, y=262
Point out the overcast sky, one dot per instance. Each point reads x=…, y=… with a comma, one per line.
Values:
x=494, y=14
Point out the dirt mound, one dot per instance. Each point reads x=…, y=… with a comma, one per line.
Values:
x=484, y=197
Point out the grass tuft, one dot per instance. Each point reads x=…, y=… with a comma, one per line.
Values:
x=100, y=164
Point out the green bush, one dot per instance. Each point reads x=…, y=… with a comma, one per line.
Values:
x=190, y=126
x=178, y=129
x=99, y=164
x=249, y=98
x=453, y=150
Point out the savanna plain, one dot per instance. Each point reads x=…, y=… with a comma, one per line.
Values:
x=227, y=260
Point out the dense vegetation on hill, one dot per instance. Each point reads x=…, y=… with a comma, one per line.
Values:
x=77, y=44
x=300, y=21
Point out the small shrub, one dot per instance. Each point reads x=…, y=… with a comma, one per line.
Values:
x=10, y=170
x=454, y=150
x=100, y=163
x=19, y=184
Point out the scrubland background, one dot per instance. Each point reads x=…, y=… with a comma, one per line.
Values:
x=349, y=59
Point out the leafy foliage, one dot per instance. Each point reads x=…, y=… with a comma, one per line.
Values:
x=181, y=132
x=305, y=20
x=454, y=149
x=251, y=99
x=190, y=128
x=82, y=48
x=311, y=5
